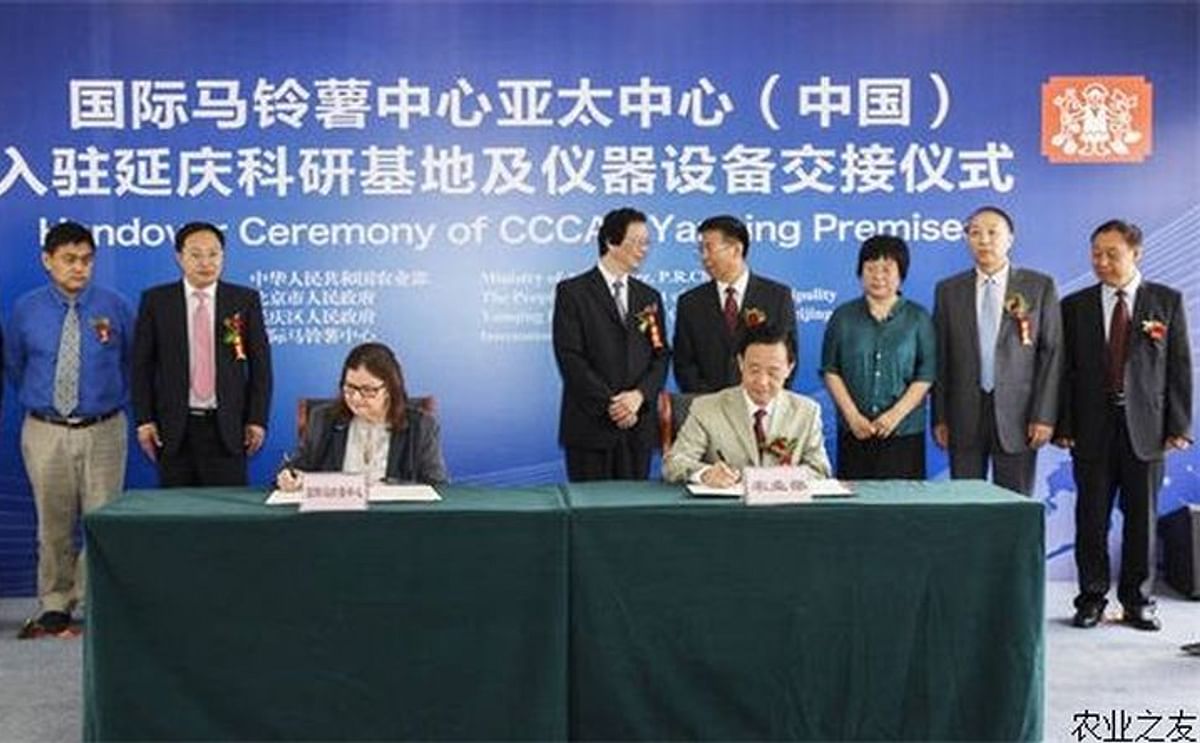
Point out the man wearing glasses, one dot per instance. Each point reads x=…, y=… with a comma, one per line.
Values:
x=610, y=345
x=201, y=369
x=711, y=318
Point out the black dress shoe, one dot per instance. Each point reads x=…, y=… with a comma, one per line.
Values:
x=54, y=622
x=1088, y=615
x=1192, y=648
x=1143, y=618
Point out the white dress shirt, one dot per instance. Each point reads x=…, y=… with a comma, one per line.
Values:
x=739, y=290
x=1108, y=299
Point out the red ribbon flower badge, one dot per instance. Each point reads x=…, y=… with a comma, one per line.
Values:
x=754, y=317
x=235, y=327
x=1156, y=330
x=783, y=449
x=647, y=322
x=103, y=327
x=1017, y=308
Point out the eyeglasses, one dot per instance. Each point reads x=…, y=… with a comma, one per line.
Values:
x=366, y=392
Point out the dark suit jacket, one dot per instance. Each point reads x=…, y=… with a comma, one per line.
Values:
x=599, y=356
x=1027, y=376
x=161, y=375
x=1158, y=373
x=414, y=453
x=705, y=352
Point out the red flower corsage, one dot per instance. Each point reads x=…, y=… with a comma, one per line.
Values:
x=235, y=327
x=1155, y=329
x=1017, y=307
x=647, y=322
x=103, y=327
x=753, y=317
x=783, y=449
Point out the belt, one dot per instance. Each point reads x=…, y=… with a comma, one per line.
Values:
x=73, y=422
x=202, y=412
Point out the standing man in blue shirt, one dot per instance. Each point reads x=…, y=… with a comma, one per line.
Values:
x=68, y=352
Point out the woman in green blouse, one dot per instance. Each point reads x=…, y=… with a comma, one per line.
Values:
x=878, y=363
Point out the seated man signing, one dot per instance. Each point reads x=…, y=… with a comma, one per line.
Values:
x=755, y=424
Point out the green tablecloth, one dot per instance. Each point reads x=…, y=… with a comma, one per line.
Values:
x=912, y=611
x=213, y=616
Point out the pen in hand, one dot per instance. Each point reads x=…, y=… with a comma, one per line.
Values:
x=721, y=461
x=293, y=475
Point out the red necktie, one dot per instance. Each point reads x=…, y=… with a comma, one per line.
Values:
x=731, y=309
x=1118, y=344
x=760, y=434
x=203, y=372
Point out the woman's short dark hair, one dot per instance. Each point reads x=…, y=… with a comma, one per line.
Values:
x=884, y=246
x=1130, y=232
x=379, y=361
x=615, y=224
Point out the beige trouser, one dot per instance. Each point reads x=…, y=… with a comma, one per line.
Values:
x=71, y=470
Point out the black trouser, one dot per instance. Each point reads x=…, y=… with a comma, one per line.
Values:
x=628, y=459
x=1099, y=477
x=893, y=458
x=202, y=459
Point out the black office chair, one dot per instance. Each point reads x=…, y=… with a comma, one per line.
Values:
x=673, y=410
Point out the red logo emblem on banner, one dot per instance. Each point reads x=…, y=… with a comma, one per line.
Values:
x=1103, y=119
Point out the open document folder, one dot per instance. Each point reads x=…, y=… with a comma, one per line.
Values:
x=827, y=488
x=378, y=493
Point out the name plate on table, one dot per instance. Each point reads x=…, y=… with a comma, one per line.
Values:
x=333, y=491
x=773, y=486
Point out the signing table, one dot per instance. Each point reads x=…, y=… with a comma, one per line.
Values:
x=912, y=610
x=215, y=617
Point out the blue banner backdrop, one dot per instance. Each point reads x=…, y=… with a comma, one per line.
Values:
x=423, y=174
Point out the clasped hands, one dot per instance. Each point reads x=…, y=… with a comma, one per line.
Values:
x=882, y=427
x=623, y=408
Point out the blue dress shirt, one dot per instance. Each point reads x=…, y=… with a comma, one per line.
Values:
x=105, y=349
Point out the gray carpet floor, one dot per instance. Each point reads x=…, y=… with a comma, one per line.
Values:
x=1108, y=672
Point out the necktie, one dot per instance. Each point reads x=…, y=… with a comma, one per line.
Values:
x=731, y=309
x=1118, y=344
x=66, y=371
x=760, y=433
x=989, y=328
x=619, y=297
x=203, y=372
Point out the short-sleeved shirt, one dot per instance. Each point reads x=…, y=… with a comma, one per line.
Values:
x=879, y=359
x=105, y=348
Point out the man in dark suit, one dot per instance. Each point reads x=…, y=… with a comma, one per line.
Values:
x=609, y=342
x=999, y=358
x=711, y=319
x=201, y=369
x=1127, y=388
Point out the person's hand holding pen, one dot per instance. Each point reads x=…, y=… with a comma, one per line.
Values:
x=720, y=474
x=289, y=478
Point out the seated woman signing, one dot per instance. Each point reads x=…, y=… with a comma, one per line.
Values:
x=371, y=428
